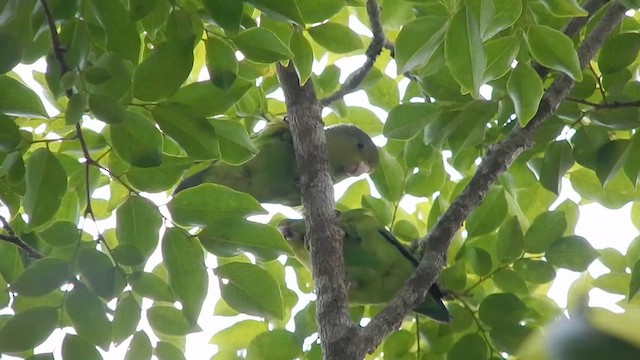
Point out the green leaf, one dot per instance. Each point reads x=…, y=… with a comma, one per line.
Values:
x=535, y=271
x=61, y=234
x=525, y=90
x=546, y=228
x=489, y=215
x=184, y=259
x=106, y=109
x=164, y=70
x=235, y=145
x=156, y=179
x=586, y=142
x=384, y=93
x=75, y=108
x=274, y=345
x=28, y=329
x=464, y=52
x=634, y=283
x=508, y=338
x=361, y=117
x=233, y=237
x=280, y=10
x=87, y=313
x=555, y=50
x=408, y=119
x=151, y=286
x=506, y=13
x=617, y=192
x=632, y=165
x=11, y=51
x=19, y=100
x=194, y=134
x=613, y=259
x=302, y=55
x=501, y=309
x=239, y=335
x=388, y=177
x=316, y=11
x=510, y=243
x=121, y=33
x=138, y=222
x=46, y=185
x=251, y=290
x=221, y=62
x=615, y=283
x=618, y=52
x=76, y=347
x=469, y=347
x=426, y=182
x=166, y=351
x=557, y=160
x=10, y=136
x=565, y=8
x=170, y=321
x=226, y=13
x=137, y=141
x=418, y=40
x=42, y=277
x=139, y=347
x=509, y=281
x=100, y=273
x=327, y=33
x=206, y=203
x=125, y=318
x=261, y=45
x=500, y=55
x=610, y=158
x=571, y=252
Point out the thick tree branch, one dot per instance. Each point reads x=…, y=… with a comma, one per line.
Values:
x=323, y=235
x=375, y=47
x=15, y=239
x=494, y=163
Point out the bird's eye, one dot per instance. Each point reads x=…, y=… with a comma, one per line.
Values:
x=360, y=145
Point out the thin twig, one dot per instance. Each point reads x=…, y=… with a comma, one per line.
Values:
x=613, y=105
x=378, y=42
x=16, y=240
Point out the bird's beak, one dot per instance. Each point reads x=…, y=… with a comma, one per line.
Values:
x=363, y=167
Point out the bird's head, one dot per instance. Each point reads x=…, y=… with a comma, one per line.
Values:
x=351, y=151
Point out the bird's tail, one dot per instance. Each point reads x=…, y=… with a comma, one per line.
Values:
x=433, y=307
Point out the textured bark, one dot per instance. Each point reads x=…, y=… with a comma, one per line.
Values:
x=337, y=331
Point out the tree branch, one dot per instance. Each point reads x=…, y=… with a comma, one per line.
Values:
x=15, y=239
x=613, y=105
x=494, y=163
x=375, y=47
x=337, y=331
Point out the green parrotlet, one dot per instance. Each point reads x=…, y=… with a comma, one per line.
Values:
x=377, y=263
x=272, y=175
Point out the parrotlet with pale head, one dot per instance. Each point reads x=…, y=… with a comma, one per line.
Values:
x=272, y=175
x=377, y=264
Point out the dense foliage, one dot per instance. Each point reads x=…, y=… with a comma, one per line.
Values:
x=135, y=112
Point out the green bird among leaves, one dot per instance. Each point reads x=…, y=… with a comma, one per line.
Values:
x=272, y=175
x=377, y=263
